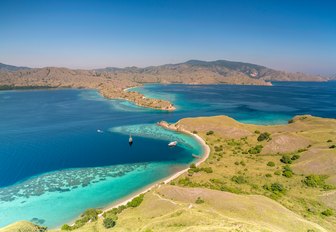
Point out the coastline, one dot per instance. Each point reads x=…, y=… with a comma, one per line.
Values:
x=166, y=180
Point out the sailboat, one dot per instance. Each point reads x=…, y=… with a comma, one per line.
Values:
x=130, y=140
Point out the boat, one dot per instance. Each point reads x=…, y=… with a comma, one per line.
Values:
x=130, y=140
x=100, y=131
x=172, y=144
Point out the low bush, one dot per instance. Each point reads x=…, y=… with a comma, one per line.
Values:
x=255, y=150
x=264, y=136
x=329, y=141
x=109, y=223
x=194, y=132
x=332, y=146
x=135, y=202
x=210, y=133
x=327, y=212
x=199, y=201
x=275, y=188
x=286, y=159
x=268, y=175
x=66, y=227
x=257, y=132
x=315, y=181
x=271, y=164
x=295, y=157
x=287, y=171
x=239, y=179
x=278, y=173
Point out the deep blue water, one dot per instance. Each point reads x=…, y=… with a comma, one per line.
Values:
x=54, y=164
x=250, y=104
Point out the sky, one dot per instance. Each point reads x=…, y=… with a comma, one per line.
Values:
x=289, y=35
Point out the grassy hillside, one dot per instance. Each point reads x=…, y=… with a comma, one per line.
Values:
x=257, y=178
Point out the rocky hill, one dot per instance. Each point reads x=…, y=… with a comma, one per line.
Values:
x=220, y=71
x=112, y=81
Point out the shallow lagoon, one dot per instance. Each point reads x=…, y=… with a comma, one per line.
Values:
x=55, y=164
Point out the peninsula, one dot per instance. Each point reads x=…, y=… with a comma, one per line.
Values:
x=111, y=82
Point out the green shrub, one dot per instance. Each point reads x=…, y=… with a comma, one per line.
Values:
x=327, y=212
x=286, y=159
x=332, y=146
x=271, y=164
x=295, y=157
x=268, y=175
x=287, y=174
x=135, y=202
x=257, y=132
x=255, y=150
x=329, y=141
x=236, y=163
x=66, y=227
x=239, y=179
x=275, y=188
x=287, y=171
x=193, y=165
x=210, y=133
x=263, y=136
x=302, y=150
x=91, y=214
x=242, y=163
x=290, y=121
x=278, y=173
x=194, y=132
x=314, y=181
x=199, y=201
x=108, y=223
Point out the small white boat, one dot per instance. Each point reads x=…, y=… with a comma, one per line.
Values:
x=130, y=140
x=172, y=144
x=100, y=131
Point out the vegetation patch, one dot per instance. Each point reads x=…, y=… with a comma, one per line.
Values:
x=271, y=164
x=317, y=181
x=286, y=159
x=199, y=200
x=88, y=215
x=239, y=179
x=287, y=171
x=210, y=133
x=264, y=136
x=255, y=150
x=276, y=188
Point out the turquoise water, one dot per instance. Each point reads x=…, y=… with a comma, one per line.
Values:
x=55, y=164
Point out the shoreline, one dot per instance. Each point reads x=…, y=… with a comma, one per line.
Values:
x=166, y=180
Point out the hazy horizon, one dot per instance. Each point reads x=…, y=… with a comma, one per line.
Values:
x=284, y=35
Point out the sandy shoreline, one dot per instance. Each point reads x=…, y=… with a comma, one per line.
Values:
x=205, y=155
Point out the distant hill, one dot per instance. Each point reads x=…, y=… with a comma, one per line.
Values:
x=221, y=71
x=11, y=68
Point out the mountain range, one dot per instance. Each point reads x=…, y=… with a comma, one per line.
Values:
x=190, y=72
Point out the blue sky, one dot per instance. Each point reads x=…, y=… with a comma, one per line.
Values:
x=288, y=35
